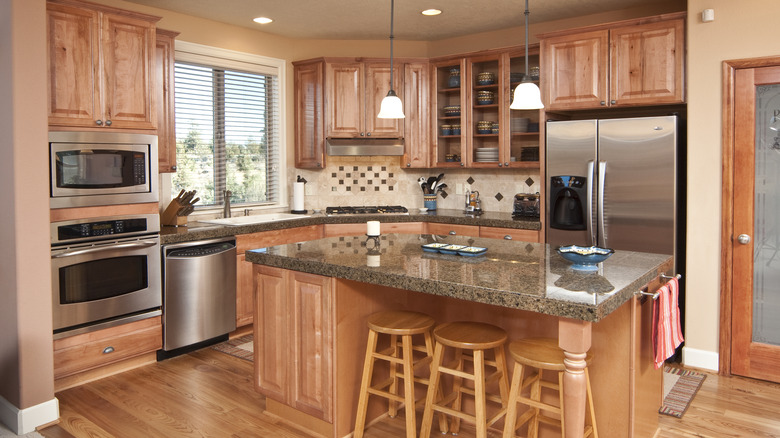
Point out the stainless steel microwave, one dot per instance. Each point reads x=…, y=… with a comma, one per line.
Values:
x=102, y=168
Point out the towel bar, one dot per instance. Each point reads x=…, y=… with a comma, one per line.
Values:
x=655, y=295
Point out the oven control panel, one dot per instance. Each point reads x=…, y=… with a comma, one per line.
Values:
x=100, y=228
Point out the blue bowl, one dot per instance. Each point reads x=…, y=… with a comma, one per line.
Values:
x=585, y=258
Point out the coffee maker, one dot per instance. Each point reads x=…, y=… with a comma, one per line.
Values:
x=526, y=206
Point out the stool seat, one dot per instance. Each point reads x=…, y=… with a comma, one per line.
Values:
x=470, y=335
x=540, y=353
x=399, y=322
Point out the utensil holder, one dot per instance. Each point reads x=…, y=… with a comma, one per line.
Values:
x=171, y=216
x=429, y=202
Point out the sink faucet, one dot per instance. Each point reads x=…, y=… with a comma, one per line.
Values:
x=226, y=207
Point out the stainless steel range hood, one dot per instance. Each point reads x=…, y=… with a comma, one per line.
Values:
x=365, y=146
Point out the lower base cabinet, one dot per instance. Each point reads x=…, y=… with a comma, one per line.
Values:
x=294, y=339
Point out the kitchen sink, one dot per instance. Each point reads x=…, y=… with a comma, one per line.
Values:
x=255, y=219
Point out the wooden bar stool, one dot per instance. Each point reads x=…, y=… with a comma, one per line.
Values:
x=470, y=341
x=404, y=324
x=542, y=354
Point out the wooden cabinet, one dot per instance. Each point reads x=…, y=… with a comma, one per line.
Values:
x=166, y=121
x=294, y=339
x=509, y=234
x=453, y=229
x=354, y=94
x=629, y=63
x=309, y=114
x=87, y=351
x=246, y=242
x=417, y=128
x=359, y=229
x=100, y=66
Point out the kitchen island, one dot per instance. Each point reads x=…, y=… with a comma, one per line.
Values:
x=313, y=298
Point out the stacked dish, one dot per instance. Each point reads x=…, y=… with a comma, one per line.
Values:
x=520, y=124
x=486, y=78
x=483, y=155
x=485, y=97
x=484, y=127
x=452, y=111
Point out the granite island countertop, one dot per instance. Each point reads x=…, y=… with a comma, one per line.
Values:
x=520, y=275
x=202, y=230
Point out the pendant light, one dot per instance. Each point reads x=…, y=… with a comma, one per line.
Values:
x=527, y=95
x=391, y=107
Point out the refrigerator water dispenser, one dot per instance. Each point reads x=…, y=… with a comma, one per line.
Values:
x=568, y=199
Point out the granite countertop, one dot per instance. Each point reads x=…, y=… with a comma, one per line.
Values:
x=520, y=275
x=201, y=230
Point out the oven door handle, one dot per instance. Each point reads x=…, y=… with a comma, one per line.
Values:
x=138, y=244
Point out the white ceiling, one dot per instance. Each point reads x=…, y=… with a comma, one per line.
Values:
x=370, y=19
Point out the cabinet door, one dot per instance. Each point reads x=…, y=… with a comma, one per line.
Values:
x=575, y=70
x=245, y=303
x=509, y=234
x=312, y=335
x=127, y=48
x=453, y=230
x=417, y=109
x=449, y=113
x=272, y=337
x=377, y=84
x=73, y=57
x=647, y=63
x=344, y=85
x=309, y=116
x=163, y=98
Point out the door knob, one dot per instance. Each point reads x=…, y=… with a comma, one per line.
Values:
x=743, y=239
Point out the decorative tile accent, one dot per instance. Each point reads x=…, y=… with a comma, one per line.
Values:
x=529, y=182
x=443, y=194
x=470, y=180
x=499, y=196
x=361, y=179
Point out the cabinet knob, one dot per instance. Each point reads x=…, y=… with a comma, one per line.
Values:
x=613, y=102
x=452, y=233
x=173, y=168
x=319, y=164
x=99, y=122
x=506, y=164
x=368, y=134
x=462, y=164
x=108, y=122
x=362, y=134
x=507, y=237
x=500, y=164
x=408, y=164
x=108, y=349
x=603, y=103
x=743, y=239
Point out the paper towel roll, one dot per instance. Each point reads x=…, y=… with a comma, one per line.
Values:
x=298, y=190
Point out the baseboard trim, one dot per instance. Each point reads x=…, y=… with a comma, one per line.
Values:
x=23, y=421
x=707, y=360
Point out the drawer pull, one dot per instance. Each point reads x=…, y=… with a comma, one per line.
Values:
x=507, y=237
x=108, y=349
x=452, y=233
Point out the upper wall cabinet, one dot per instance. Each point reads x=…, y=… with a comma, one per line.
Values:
x=100, y=66
x=629, y=63
x=309, y=114
x=166, y=121
x=354, y=94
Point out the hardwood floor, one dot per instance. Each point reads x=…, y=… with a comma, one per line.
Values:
x=208, y=393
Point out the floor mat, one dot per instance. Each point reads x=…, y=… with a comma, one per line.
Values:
x=239, y=347
x=685, y=386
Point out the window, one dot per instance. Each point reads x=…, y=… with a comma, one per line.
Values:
x=228, y=127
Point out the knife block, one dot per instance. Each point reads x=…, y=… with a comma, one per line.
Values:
x=171, y=216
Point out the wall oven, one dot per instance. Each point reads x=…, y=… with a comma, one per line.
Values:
x=105, y=271
x=102, y=168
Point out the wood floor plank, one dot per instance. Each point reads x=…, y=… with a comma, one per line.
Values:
x=209, y=393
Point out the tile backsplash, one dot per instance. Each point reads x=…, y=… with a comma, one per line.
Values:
x=379, y=180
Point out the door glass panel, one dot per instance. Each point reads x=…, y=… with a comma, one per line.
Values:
x=103, y=278
x=766, y=244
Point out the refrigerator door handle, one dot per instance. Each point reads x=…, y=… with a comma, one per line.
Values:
x=602, y=231
x=591, y=230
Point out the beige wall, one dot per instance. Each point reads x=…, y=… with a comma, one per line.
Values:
x=25, y=283
x=740, y=30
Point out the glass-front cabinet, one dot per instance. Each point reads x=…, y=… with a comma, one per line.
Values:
x=450, y=117
x=474, y=126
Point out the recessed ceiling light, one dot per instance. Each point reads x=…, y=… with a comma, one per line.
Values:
x=431, y=12
x=262, y=20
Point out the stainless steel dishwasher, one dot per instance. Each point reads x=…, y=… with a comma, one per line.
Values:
x=199, y=293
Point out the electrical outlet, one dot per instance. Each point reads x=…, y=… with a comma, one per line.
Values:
x=308, y=190
x=458, y=188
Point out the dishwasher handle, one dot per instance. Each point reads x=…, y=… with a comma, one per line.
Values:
x=206, y=250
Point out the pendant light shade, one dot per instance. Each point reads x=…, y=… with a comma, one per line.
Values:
x=391, y=107
x=527, y=95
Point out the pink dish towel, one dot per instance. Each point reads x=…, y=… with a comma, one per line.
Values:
x=667, y=334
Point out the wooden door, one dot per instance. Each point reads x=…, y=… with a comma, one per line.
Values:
x=755, y=239
x=417, y=109
x=164, y=103
x=344, y=85
x=272, y=337
x=647, y=63
x=73, y=58
x=128, y=45
x=575, y=70
x=245, y=302
x=311, y=388
x=377, y=84
x=309, y=115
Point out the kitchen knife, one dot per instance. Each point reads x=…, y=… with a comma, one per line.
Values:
x=178, y=198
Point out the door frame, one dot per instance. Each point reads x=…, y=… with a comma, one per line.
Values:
x=729, y=118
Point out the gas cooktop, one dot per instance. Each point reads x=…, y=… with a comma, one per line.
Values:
x=383, y=209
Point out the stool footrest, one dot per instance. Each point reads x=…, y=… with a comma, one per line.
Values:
x=539, y=405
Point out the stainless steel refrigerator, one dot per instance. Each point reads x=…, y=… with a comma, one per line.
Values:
x=613, y=183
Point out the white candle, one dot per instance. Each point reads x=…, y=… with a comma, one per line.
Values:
x=372, y=228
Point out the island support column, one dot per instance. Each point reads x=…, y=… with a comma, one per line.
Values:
x=574, y=337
